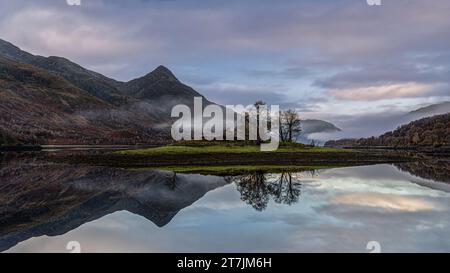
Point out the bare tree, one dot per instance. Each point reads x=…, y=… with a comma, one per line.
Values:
x=172, y=181
x=283, y=132
x=290, y=125
x=258, y=105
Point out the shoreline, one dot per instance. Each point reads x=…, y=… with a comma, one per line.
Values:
x=233, y=159
x=441, y=151
x=21, y=148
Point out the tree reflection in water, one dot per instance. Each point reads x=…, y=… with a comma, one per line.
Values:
x=256, y=189
x=285, y=191
x=172, y=181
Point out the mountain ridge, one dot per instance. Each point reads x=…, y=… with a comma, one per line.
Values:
x=113, y=113
x=93, y=82
x=133, y=112
x=161, y=81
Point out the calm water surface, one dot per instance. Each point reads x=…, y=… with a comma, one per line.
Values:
x=333, y=210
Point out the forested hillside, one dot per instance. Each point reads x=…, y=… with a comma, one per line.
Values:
x=427, y=132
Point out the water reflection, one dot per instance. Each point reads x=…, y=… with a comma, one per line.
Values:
x=111, y=209
x=256, y=190
x=437, y=169
x=51, y=199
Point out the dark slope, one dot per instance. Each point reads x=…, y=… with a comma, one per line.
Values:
x=37, y=107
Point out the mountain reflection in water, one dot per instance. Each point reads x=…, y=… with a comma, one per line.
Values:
x=40, y=199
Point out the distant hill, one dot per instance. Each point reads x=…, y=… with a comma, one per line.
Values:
x=427, y=132
x=434, y=109
x=55, y=101
x=315, y=126
x=311, y=126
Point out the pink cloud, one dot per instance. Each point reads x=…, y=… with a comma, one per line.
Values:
x=373, y=93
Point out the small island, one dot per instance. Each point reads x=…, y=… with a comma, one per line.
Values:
x=232, y=157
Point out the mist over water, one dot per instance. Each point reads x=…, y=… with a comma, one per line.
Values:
x=368, y=125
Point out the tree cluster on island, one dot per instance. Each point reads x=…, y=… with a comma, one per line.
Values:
x=289, y=123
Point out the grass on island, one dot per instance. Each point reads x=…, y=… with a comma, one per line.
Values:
x=227, y=147
x=235, y=169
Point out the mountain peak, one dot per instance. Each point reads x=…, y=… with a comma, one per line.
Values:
x=161, y=82
x=162, y=68
x=162, y=72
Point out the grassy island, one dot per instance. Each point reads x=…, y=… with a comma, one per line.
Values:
x=227, y=147
x=225, y=157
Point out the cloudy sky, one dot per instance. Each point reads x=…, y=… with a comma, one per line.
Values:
x=331, y=59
